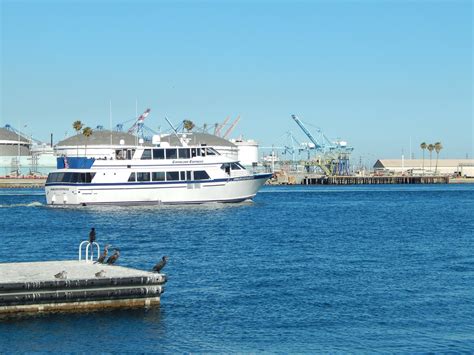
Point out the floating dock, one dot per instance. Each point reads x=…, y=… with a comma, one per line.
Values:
x=33, y=287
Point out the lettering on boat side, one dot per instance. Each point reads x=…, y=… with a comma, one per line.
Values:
x=187, y=161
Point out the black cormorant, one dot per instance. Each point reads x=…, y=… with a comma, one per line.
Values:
x=92, y=235
x=161, y=264
x=103, y=255
x=114, y=257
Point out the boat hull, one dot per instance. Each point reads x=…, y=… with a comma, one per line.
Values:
x=221, y=190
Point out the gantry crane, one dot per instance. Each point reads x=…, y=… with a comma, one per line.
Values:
x=218, y=127
x=334, y=159
x=137, y=127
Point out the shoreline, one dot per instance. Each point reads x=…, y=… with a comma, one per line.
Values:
x=26, y=183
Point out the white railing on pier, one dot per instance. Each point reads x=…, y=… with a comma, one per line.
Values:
x=91, y=246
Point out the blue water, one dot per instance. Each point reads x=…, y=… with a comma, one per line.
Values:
x=301, y=269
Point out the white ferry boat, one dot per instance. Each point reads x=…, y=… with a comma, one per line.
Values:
x=161, y=174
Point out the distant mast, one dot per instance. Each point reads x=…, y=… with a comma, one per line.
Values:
x=110, y=120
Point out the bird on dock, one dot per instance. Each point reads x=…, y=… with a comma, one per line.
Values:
x=103, y=255
x=92, y=235
x=161, y=264
x=61, y=275
x=114, y=257
x=101, y=273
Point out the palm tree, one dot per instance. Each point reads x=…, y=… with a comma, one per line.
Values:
x=87, y=132
x=437, y=146
x=423, y=147
x=430, y=149
x=77, y=125
x=188, y=125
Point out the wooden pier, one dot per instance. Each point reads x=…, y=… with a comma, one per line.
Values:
x=359, y=180
x=33, y=287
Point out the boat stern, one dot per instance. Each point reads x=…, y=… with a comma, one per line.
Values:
x=61, y=195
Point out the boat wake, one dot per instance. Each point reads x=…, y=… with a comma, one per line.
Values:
x=31, y=204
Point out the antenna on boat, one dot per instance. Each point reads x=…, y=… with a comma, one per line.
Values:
x=110, y=119
x=175, y=131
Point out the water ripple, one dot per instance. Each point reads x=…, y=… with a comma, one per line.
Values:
x=301, y=269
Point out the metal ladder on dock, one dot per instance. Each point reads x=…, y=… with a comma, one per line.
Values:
x=91, y=246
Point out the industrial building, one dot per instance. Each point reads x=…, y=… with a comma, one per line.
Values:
x=247, y=150
x=14, y=152
x=13, y=144
x=101, y=144
x=461, y=167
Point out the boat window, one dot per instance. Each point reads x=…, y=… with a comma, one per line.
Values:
x=51, y=177
x=88, y=177
x=75, y=178
x=70, y=177
x=158, y=176
x=67, y=177
x=241, y=166
x=234, y=166
x=183, y=153
x=195, y=152
x=143, y=176
x=131, y=178
x=226, y=167
x=158, y=154
x=171, y=154
x=146, y=154
x=201, y=175
x=172, y=175
x=130, y=153
x=182, y=175
x=119, y=154
x=188, y=175
x=79, y=178
x=211, y=151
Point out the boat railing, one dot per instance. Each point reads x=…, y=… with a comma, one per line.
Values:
x=88, y=245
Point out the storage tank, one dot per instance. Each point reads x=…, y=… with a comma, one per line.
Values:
x=247, y=151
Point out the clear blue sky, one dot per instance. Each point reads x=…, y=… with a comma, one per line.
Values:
x=374, y=73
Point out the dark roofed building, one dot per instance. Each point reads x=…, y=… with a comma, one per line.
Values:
x=12, y=144
x=101, y=144
x=197, y=138
x=99, y=138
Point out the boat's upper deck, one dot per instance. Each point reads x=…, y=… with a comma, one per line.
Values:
x=147, y=156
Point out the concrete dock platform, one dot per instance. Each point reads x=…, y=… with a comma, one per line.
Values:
x=33, y=287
